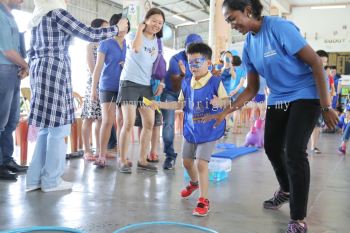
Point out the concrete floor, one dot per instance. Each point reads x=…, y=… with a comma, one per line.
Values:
x=104, y=200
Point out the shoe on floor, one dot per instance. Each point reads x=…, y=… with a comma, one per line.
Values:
x=32, y=188
x=341, y=151
x=296, y=227
x=14, y=167
x=64, y=185
x=169, y=164
x=147, y=167
x=190, y=188
x=124, y=168
x=5, y=174
x=202, y=208
x=316, y=151
x=276, y=202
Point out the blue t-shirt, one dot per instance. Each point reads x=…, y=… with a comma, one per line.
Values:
x=262, y=85
x=138, y=66
x=227, y=81
x=9, y=35
x=240, y=73
x=113, y=65
x=175, y=70
x=272, y=54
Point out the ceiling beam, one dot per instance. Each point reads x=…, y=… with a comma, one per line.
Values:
x=173, y=12
x=197, y=7
x=204, y=7
x=322, y=4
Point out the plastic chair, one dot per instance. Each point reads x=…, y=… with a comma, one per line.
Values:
x=21, y=133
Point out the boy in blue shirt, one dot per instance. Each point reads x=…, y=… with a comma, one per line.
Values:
x=199, y=137
x=171, y=92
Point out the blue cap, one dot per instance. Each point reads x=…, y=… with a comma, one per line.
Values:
x=347, y=107
x=193, y=38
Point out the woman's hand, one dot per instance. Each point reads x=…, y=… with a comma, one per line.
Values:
x=123, y=25
x=330, y=118
x=159, y=89
x=217, y=117
x=23, y=73
x=141, y=27
x=93, y=96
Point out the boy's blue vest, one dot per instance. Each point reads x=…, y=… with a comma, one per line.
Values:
x=198, y=105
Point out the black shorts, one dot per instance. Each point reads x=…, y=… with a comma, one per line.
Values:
x=132, y=93
x=158, y=119
x=108, y=96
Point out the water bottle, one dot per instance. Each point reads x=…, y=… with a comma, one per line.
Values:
x=218, y=170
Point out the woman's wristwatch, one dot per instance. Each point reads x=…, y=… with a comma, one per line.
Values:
x=325, y=108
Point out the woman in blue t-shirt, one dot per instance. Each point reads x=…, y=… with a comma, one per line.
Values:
x=294, y=75
x=238, y=83
x=110, y=60
x=228, y=74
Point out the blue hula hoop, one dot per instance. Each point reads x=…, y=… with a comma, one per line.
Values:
x=186, y=225
x=43, y=228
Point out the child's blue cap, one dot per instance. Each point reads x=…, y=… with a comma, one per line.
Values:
x=347, y=107
x=193, y=38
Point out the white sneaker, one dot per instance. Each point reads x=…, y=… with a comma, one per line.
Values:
x=33, y=188
x=64, y=185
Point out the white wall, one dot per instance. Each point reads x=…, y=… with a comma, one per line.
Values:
x=324, y=29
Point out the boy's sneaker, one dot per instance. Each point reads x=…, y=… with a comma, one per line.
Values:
x=295, y=227
x=202, y=208
x=341, y=150
x=278, y=199
x=64, y=185
x=189, y=190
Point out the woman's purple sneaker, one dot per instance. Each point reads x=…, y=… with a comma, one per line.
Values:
x=295, y=227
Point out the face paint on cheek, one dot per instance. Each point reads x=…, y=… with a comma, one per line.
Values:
x=197, y=62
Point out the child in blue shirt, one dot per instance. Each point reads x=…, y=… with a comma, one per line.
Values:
x=345, y=126
x=199, y=137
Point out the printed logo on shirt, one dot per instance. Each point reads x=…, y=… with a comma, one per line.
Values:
x=270, y=53
x=151, y=51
